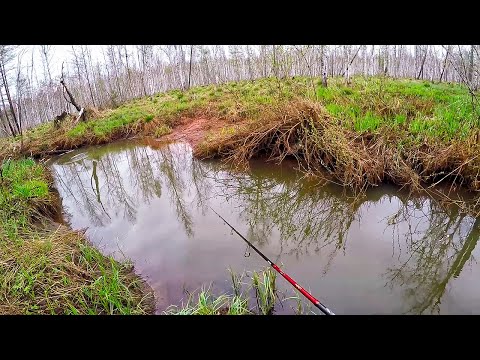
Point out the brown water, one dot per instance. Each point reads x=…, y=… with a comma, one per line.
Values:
x=386, y=255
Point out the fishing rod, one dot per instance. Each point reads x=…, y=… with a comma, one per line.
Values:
x=305, y=293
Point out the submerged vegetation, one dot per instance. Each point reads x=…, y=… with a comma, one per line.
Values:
x=46, y=268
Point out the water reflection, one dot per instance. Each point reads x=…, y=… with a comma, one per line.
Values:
x=318, y=232
x=437, y=247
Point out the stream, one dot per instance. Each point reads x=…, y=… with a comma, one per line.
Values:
x=387, y=254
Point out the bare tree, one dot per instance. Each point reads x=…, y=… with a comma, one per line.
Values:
x=71, y=99
x=346, y=73
x=420, y=72
x=447, y=52
x=190, y=68
x=7, y=55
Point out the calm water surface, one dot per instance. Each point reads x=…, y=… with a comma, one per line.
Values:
x=385, y=255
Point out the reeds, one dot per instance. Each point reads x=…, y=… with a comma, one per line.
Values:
x=258, y=296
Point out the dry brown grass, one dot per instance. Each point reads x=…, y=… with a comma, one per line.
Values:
x=304, y=130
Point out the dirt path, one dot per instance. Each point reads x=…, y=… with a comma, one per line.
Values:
x=193, y=131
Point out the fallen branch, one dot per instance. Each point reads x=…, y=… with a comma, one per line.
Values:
x=71, y=100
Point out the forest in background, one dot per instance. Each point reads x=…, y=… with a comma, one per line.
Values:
x=32, y=94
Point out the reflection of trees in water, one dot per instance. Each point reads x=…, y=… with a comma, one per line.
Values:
x=433, y=244
x=81, y=180
x=100, y=185
x=172, y=158
x=72, y=182
x=199, y=174
x=438, y=244
x=117, y=195
x=141, y=162
x=306, y=216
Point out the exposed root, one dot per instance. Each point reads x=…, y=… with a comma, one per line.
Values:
x=307, y=132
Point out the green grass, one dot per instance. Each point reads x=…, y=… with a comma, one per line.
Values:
x=30, y=189
x=21, y=182
x=46, y=268
x=119, y=119
x=265, y=290
x=205, y=303
x=369, y=122
x=372, y=104
x=376, y=103
x=79, y=130
x=259, y=296
x=149, y=118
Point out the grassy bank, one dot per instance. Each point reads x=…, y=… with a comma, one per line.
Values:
x=46, y=268
x=412, y=133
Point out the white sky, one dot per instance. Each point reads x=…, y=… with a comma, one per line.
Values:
x=59, y=54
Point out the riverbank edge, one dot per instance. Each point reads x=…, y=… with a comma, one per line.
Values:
x=48, y=230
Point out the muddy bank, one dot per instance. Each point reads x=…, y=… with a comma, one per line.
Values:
x=194, y=130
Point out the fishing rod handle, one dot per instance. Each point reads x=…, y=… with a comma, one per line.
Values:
x=324, y=309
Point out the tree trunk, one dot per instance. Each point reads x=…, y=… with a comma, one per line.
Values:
x=324, y=76
x=470, y=66
x=72, y=101
x=84, y=60
x=444, y=63
x=420, y=73
x=12, y=130
x=4, y=123
x=132, y=94
x=9, y=98
x=71, y=98
x=190, y=68
x=385, y=56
